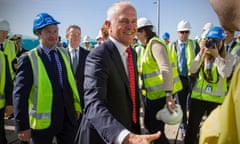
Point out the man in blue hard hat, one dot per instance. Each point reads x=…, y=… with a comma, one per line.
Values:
x=45, y=97
x=166, y=37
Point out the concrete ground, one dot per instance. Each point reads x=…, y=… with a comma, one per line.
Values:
x=170, y=130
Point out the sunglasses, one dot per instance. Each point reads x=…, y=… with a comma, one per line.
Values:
x=182, y=32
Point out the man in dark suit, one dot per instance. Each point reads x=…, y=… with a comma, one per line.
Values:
x=108, y=112
x=45, y=97
x=73, y=36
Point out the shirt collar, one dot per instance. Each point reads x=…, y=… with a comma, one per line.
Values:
x=180, y=42
x=121, y=48
x=71, y=49
x=47, y=50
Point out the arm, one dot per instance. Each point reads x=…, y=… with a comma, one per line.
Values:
x=161, y=57
x=160, y=54
x=8, y=91
x=21, y=92
x=198, y=60
x=96, y=83
x=225, y=65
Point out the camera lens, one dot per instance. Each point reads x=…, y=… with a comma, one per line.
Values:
x=210, y=43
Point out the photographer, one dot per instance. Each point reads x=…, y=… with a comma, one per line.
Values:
x=209, y=91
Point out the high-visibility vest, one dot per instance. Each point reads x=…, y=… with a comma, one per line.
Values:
x=152, y=77
x=190, y=53
x=40, y=109
x=11, y=53
x=213, y=91
x=223, y=124
x=2, y=79
x=235, y=48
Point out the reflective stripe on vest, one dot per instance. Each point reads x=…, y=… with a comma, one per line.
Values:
x=40, y=115
x=153, y=81
x=2, y=79
x=206, y=91
x=10, y=51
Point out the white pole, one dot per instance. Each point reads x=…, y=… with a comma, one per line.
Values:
x=158, y=17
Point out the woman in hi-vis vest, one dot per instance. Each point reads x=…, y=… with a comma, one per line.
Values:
x=213, y=67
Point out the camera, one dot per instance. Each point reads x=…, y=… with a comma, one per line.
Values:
x=210, y=43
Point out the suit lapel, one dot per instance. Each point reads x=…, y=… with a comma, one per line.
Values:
x=116, y=58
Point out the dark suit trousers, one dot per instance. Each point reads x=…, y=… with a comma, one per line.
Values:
x=184, y=99
x=3, y=139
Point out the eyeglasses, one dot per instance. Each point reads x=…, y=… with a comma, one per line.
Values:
x=182, y=32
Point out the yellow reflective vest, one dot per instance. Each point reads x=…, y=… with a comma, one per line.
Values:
x=152, y=78
x=212, y=91
x=40, y=109
x=2, y=79
x=10, y=51
x=223, y=124
x=190, y=53
x=235, y=48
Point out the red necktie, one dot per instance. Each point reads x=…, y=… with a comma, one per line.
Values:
x=131, y=76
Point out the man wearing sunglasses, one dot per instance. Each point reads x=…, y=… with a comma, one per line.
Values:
x=183, y=51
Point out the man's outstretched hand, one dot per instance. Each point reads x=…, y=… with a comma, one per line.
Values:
x=141, y=139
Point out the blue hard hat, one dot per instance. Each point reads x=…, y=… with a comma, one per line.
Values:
x=216, y=32
x=166, y=35
x=42, y=20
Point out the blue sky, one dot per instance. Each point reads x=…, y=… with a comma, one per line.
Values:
x=90, y=14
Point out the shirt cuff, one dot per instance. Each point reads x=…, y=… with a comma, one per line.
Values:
x=121, y=136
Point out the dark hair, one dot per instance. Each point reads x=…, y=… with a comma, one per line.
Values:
x=149, y=32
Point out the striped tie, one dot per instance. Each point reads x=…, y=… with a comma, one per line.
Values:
x=132, y=83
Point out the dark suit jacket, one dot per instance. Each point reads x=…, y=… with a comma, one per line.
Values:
x=9, y=84
x=62, y=97
x=108, y=104
x=79, y=75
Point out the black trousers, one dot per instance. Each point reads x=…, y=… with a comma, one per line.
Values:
x=152, y=124
x=183, y=97
x=3, y=139
x=197, y=109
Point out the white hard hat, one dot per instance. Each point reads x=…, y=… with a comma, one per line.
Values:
x=207, y=26
x=86, y=39
x=99, y=35
x=170, y=118
x=183, y=25
x=142, y=22
x=4, y=25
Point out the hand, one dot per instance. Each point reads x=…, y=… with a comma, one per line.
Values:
x=212, y=51
x=8, y=110
x=202, y=48
x=141, y=139
x=77, y=115
x=24, y=135
x=171, y=103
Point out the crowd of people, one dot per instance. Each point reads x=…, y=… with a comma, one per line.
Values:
x=82, y=95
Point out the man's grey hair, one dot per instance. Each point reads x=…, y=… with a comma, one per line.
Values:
x=114, y=8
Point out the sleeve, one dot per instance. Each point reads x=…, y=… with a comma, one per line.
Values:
x=9, y=85
x=225, y=65
x=21, y=91
x=160, y=54
x=95, y=94
x=196, y=64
